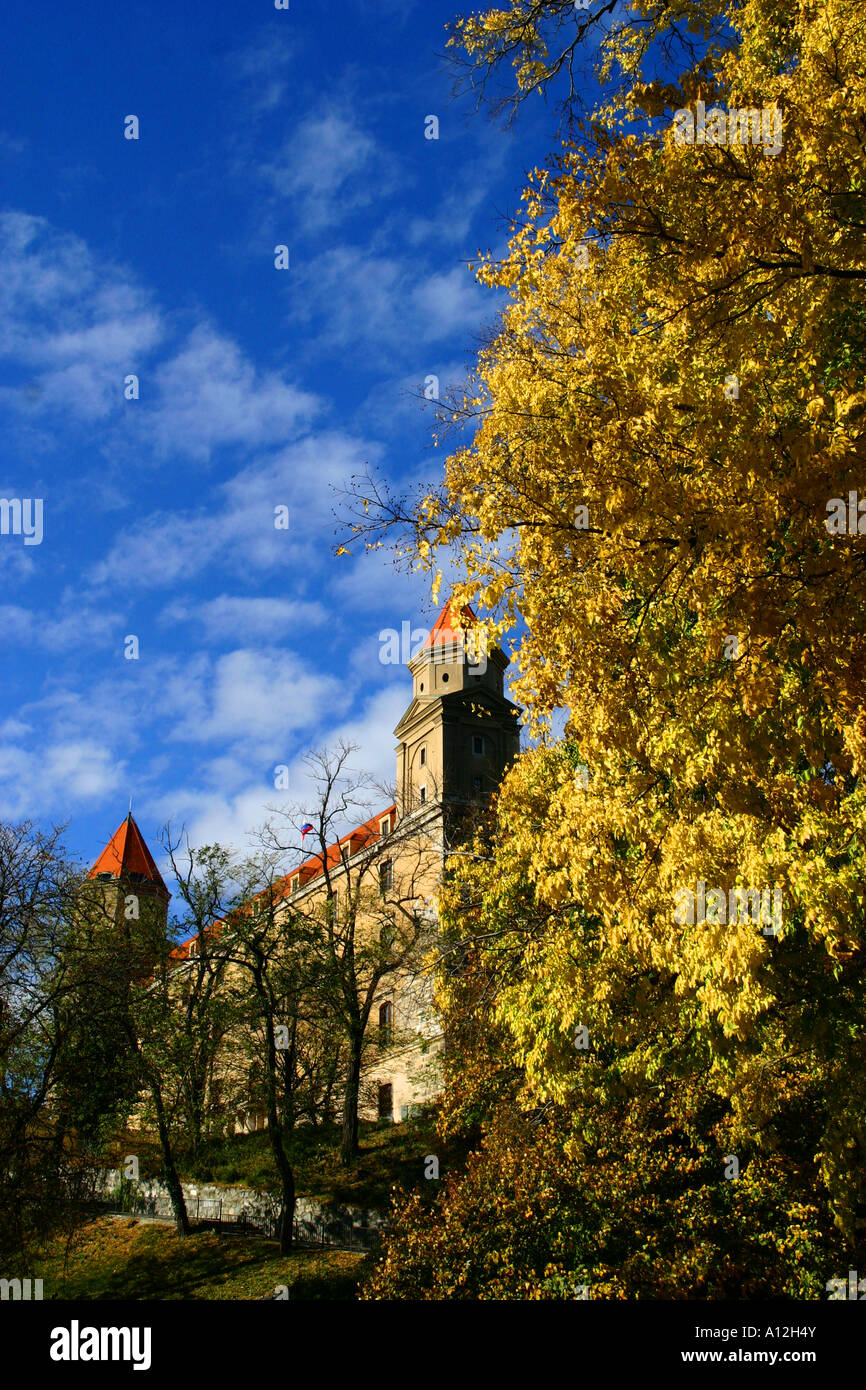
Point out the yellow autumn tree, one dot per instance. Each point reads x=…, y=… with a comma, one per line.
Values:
x=662, y=498
x=505, y=54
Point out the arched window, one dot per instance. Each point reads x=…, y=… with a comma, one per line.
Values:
x=386, y=1020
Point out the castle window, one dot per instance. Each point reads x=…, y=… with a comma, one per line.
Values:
x=444, y=677
x=296, y=882
x=385, y=827
x=386, y=1101
x=422, y=794
x=421, y=687
x=476, y=785
x=478, y=745
x=386, y=1020
x=422, y=756
x=386, y=877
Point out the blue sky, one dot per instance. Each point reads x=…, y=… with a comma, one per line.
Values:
x=258, y=387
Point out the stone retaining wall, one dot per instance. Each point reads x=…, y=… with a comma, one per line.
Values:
x=211, y=1202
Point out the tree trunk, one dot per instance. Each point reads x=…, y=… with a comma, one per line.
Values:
x=275, y=1133
x=172, y=1181
x=349, y=1142
x=284, y=1168
x=287, y=1198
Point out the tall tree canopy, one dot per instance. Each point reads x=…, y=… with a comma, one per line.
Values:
x=664, y=484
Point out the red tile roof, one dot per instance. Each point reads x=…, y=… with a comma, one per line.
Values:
x=450, y=625
x=311, y=869
x=363, y=835
x=126, y=853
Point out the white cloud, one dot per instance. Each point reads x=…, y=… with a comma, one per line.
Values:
x=256, y=698
x=210, y=817
x=230, y=617
x=50, y=779
x=474, y=168
x=24, y=627
x=370, y=583
x=329, y=167
x=448, y=302
x=398, y=405
x=79, y=324
x=373, y=730
x=209, y=395
x=239, y=715
x=363, y=297
x=238, y=530
x=226, y=813
x=260, y=67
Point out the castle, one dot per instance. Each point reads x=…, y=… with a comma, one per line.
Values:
x=454, y=743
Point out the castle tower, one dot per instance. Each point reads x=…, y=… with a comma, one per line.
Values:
x=460, y=731
x=127, y=885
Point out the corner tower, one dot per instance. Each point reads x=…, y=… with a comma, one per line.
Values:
x=126, y=878
x=460, y=731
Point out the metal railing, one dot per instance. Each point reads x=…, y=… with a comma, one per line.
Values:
x=207, y=1211
x=337, y=1235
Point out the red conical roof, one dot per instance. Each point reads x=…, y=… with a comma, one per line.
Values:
x=450, y=624
x=126, y=853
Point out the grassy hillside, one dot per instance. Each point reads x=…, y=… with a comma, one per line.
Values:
x=125, y=1258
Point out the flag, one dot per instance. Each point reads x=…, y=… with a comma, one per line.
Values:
x=305, y=830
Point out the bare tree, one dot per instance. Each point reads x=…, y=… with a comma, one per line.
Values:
x=207, y=893
x=64, y=1069
x=366, y=911
x=263, y=942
